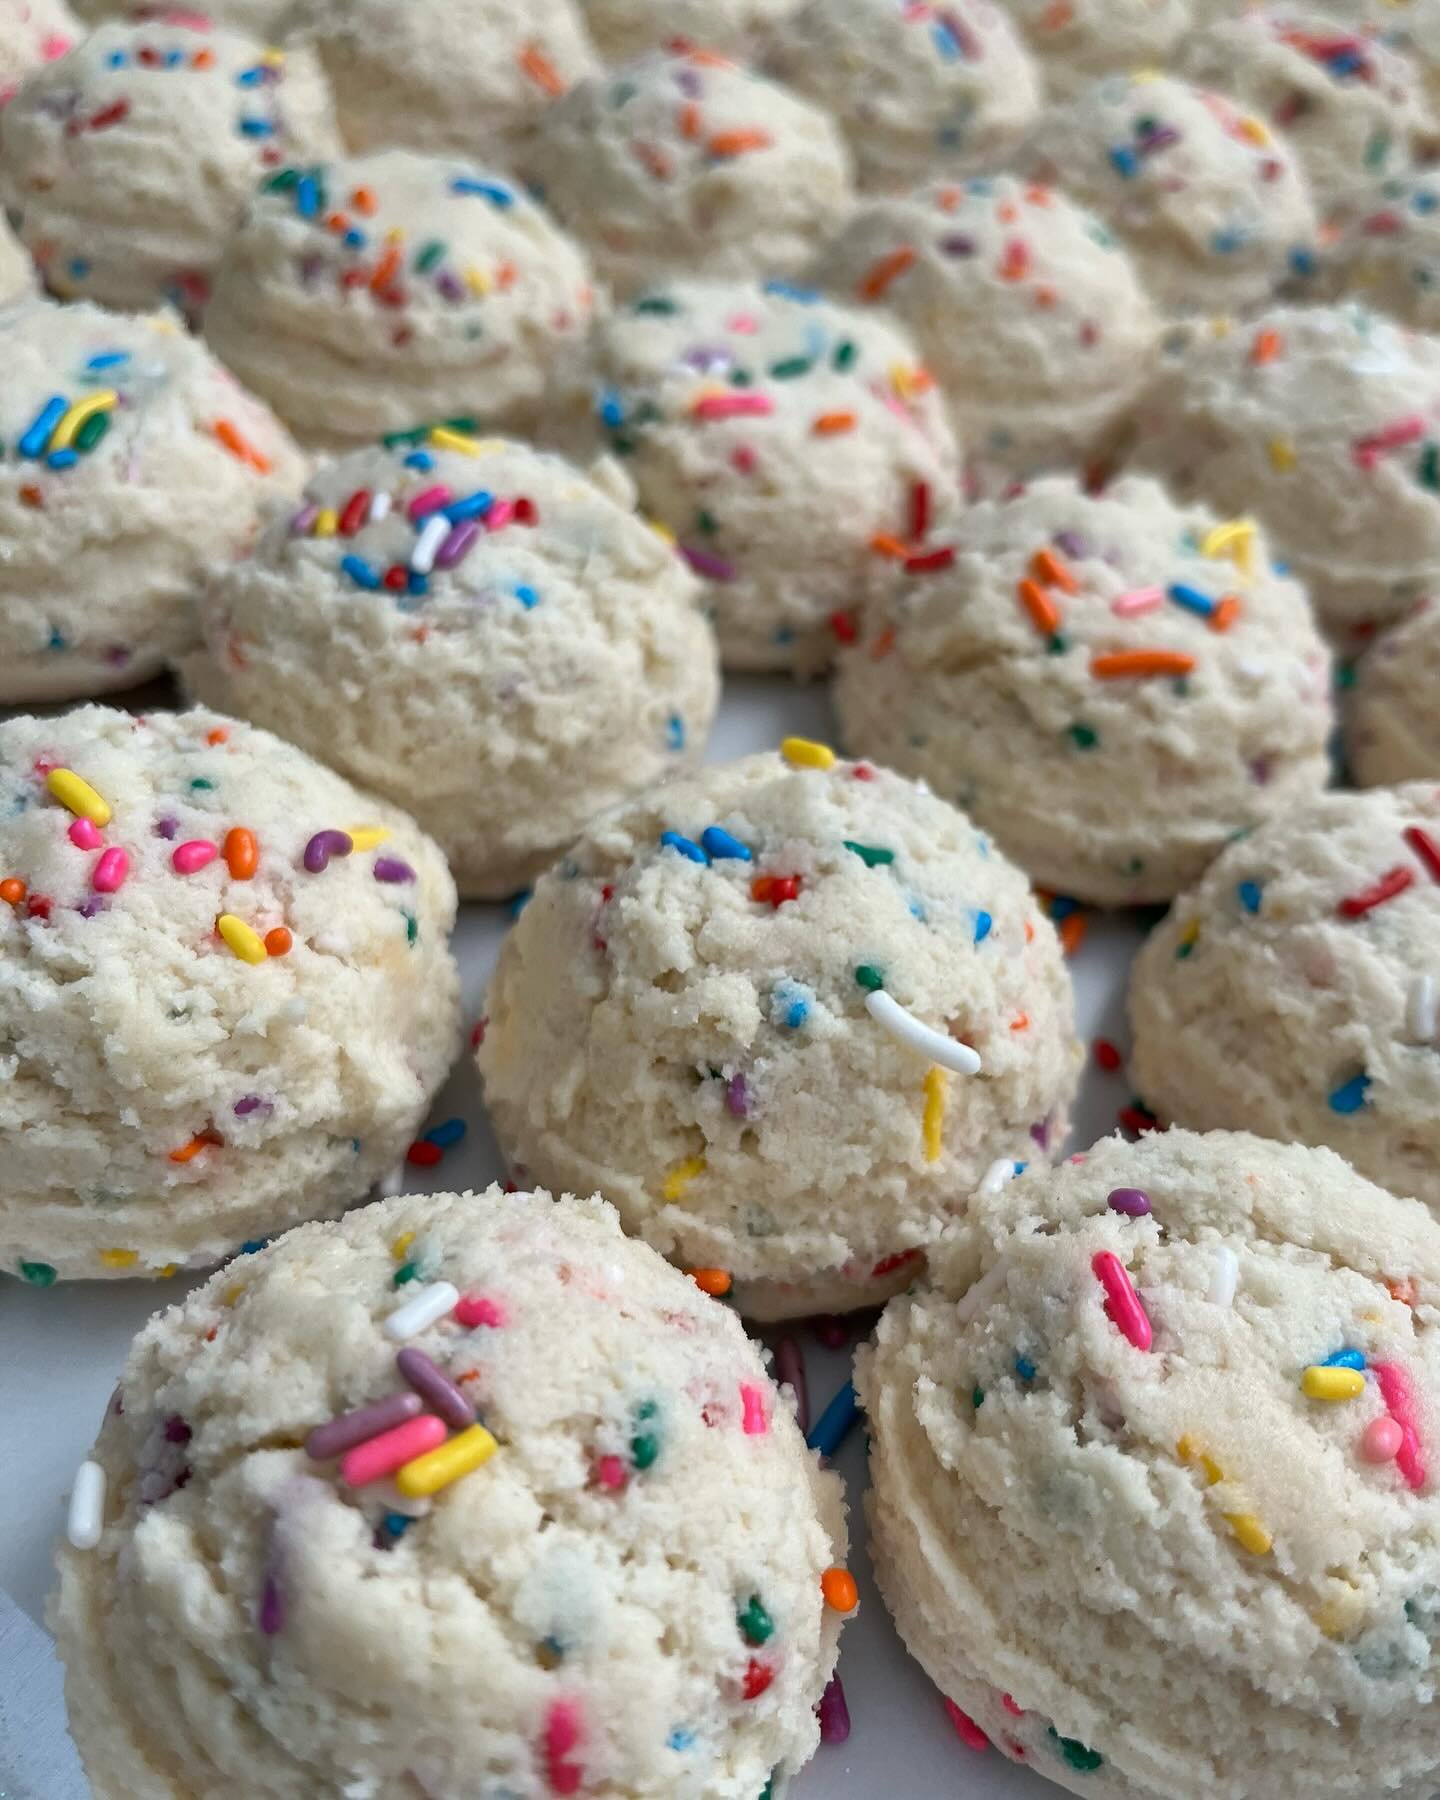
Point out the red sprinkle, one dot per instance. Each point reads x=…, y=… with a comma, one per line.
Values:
x=1135, y=1119
x=1107, y=1055
x=929, y=560
x=1386, y=888
x=777, y=889
x=357, y=508
x=844, y=627
x=423, y=1155
x=968, y=1732
x=758, y=1677
x=919, y=510
x=1425, y=848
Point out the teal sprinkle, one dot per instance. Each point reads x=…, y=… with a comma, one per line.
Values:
x=37, y=1274
x=656, y=304
x=977, y=1397
x=756, y=1625
x=869, y=978
x=201, y=782
x=644, y=1449
x=1249, y=892
x=406, y=1272
x=412, y=930
x=706, y=522
x=1024, y=1368
x=1057, y=644
x=429, y=255
x=791, y=366
x=844, y=354
x=1084, y=737
x=1430, y=467
x=1075, y=1753
x=872, y=857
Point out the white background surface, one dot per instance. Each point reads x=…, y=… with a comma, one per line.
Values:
x=61, y=1349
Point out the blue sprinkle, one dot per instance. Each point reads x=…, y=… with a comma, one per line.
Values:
x=518, y=902
x=416, y=583
x=1020, y=1168
x=108, y=359
x=611, y=408
x=1424, y=201
x=116, y=59
x=1344, y=1359
x=487, y=190
x=917, y=908
x=790, y=290
x=675, y=732
x=1191, y=599
x=829, y=1431
x=1024, y=1368
x=307, y=197
x=62, y=459
x=1125, y=160
x=1061, y=907
x=419, y=459
x=1349, y=1097
x=680, y=1738
x=79, y=267
x=257, y=128
x=57, y=639
x=250, y=78
x=790, y=1004
x=1249, y=892
x=672, y=840
x=360, y=572
x=472, y=506
x=526, y=595
x=447, y=1135
x=354, y=239
x=945, y=41
x=1302, y=261
x=723, y=847
x=251, y=1245
x=983, y=923
x=397, y=1524
x=38, y=436
x=1228, y=240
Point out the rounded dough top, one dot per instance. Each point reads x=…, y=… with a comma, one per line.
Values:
x=627, y=28
x=32, y=32
x=1085, y=38
x=1394, y=723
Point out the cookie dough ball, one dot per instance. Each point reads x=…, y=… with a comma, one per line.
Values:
x=627, y=28
x=32, y=32
x=1023, y=305
x=1292, y=992
x=17, y=272
x=614, y=1588
x=266, y=19
x=125, y=165
x=1112, y=685
x=681, y=163
x=1394, y=730
x=915, y=91
x=1323, y=421
x=455, y=77
x=447, y=291
x=1389, y=254
x=745, y=1006
x=786, y=442
x=1210, y=204
x=1153, y=1497
x=225, y=990
x=1081, y=39
x=129, y=463
x=489, y=640
x=1350, y=107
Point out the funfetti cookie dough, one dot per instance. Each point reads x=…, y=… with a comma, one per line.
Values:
x=267, y=19
x=1079, y=40
x=226, y=993
x=790, y=445
x=125, y=165
x=130, y=462
x=1325, y=423
x=785, y=1014
x=918, y=92
x=17, y=272
x=32, y=32
x=476, y=632
x=1350, y=107
x=450, y=1434
x=1153, y=1467
x=1210, y=203
x=1393, y=720
x=681, y=163
x=626, y=28
x=1113, y=685
x=1027, y=310
x=459, y=77
x=1293, y=990
x=1388, y=255
x=368, y=295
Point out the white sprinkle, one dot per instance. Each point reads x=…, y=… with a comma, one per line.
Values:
x=87, y=1507
x=429, y=1306
x=432, y=535
x=907, y=1029
x=390, y=1499
x=392, y=1184
x=997, y=1175
x=1421, y=1009
x=1224, y=1277
x=380, y=508
x=983, y=1291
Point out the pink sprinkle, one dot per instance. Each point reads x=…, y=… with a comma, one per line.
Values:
x=562, y=1735
x=383, y=1455
x=500, y=515
x=743, y=458
x=757, y=1419
x=54, y=47
x=744, y=323
x=110, y=872
x=1015, y=1712
x=431, y=500
x=475, y=1309
x=1366, y=450
x=1381, y=1441
x=611, y=1473
x=732, y=406
x=84, y=835
x=968, y=1732
x=1400, y=1400
x=1122, y=1303
x=193, y=855
x=1137, y=601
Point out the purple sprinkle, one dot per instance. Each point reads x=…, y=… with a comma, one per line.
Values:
x=958, y=245
x=117, y=656
x=352, y=1428
x=1260, y=771
x=1041, y=1134
x=390, y=868
x=305, y=518
x=176, y=1430
x=737, y=1096
x=1159, y=139
x=447, y=284
x=833, y=1713
x=323, y=846
x=97, y=903
x=272, y=1608
x=706, y=563
x=1133, y=1202
x=432, y=1384
x=166, y=827
x=250, y=1103
x=455, y=546
x=1072, y=544
x=688, y=82
x=790, y=1367
x=706, y=358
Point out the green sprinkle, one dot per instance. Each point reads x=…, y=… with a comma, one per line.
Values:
x=644, y=1449
x=1084, y=737
x=869, y=978
x=655, y=303
x=870, y=856
x=201, y=782
x=740, y=378
x=1430, y=467
x=280, y=181
x=412, y=930
x=977, y=1398
x=706, y=522
x=1057, y=643
x=91, y=432
x=406, y=1272
x=844, y=354
x=393, y=440
x=37, y=1274
x=1377, y=150
x=429, y=255
x=1346, y=675
x=791, y=366
x=756, y=1625
x=1076, y=1754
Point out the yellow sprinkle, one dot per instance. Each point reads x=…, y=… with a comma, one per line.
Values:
x=1190, y=932
x=1250, y=1534
x=805, y=753
x=661, y=531
x=1254, y=129
x=1332, y=1384
x=247, y=943
x=1282, y=455
x=78, y=796
x=1235, y=538
x=366, y=837
x=401, y=1245
x=478, y=282
x=167, y=1270
x=119, y=1259
x=935, y=1085
x=443, y=438
x=327, y=522
x=99, y=402
x=908, y=381
x=438, y=1468
x=273, y=58
x=232, y=1293
x=681, y=1176
x=1190, y=1452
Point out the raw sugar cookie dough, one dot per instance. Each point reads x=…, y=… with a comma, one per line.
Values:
x=627, y=28
x=226, y=995
x=1293, y=991
x=917, y=91
x=1082, y=39
x=1028, y=312
x=790, y=445
x=1394, y=722
x=126, y=164
x=364, y=296
x=1325, y=422
x=1389, y=254
x=479, y=634
x=1113, y=685
x=17, y=272
x=129, y=463
x=681, y=163
x=1211, y=205
x=786, y=1014
x=460, y=77
x=1152, y=1469
x=265, y=19
x=32, y=32
x=635, y=1544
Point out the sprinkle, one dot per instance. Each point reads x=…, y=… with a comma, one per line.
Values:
x=37, y=435
x=1396, y=1392
x=721, y=847
x=833, y=1713
x=755, y=1415
x=902, y=1025
x=840, y=1591
x=1113, y=665
x=202, y=1140
x=189, y=857
x=833, y=424
x=968, y=1732
x=436, y=533
x=1420, y=842
x=85, y=1520
x=1381, y=1440
x=1250, y=895
x=1078, y=1755
x=1191, y=599
x=1282, y=455
x=12, y=890
x=346, y=1430
x=119, y=1259
x=76, y=415
x=323, y=846
x=391, y=1450
x=240, y=446
x=869, y=977
x=1054, y=571
x=672, y=840
x=1000, y=1173
x=1345, y=1359
x=933, y=1124
x=835, y=1422
x=872, y=857
x=800, y=753
x=1322, y=1383
x=1044, y=613
x=790, y=1369
x=1266, y=348
x=706, y=563
x=243, y=939
x=474, y=1310
x=327, y=522
x=732, y=406
x=930, y=562
x=1249, y=1533
x=1137, y=601
x=435, y=1387
x=271, y=1617
x=738, y=143
x=756, y=1625
x=534, y=63
x=392, y=871
x=562, y=1735
x=438, y=1468
x=715, y=1282
x=84, y=835
x=241, y=854
x=884, y=273
x=1122, y=1304
x=110, y=872
x=1235, y=536
x=421, y=1311
x=1350, y=1096
x=1394, y=882
x=1224, y=1276
x=1420, y=1010
x=680, y=1177
x=78, y=796
x=1107, y=1056
x=362, y=573
x=423, y=1155
x=1367, y=450
x=1134, y=1203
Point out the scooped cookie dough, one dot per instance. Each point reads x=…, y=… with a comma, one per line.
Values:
x=362, y=297
x=1389, y=254
x=917, y=91
x=32, y=32
x=1028, y=312
x=1153, y=1474
x=1351, y=108
x=1211, y=205
x=1082, y=39
x=129, y=463
x=17, y=272
x=1394, y=723
x=480, y=635
x=627, y=28
x=456, y=77
x=266, y=19
x=790, y=445
x=125, y=165
x=681, y=163
x=1112, y=685
x=1293, y=991
x=1325, y=422
x=226, y=995
x=709, y=1012
x=635, y=1545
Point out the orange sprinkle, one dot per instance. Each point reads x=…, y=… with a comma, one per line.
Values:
x=883, y=544
x=1021, y=1022
x=690, y=121
x=711, y=1281
x=1044, y=613
x=838, y=1587
x=239, y=445
x=1054, y=571
x=242, y=858
x=31, y=495
x=889, y=269
x=1267, y=347
x=1072, y=932
x=883, y=644
x=537, y=65
x=1029, y=931
x=1058, y=16
x=832, y=424
x=708, y=59
x=12, y=890
x=364, y=202
x=736, y=143
x=1115, y=664
x=218, y=736
x=1007, y=213
x=505, y=276
x=1402, y=1290
x=386, y=269
x=188, y=1152
x=203, y=59
x=338, y=222
x=278, y=941
x=1226, y=613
